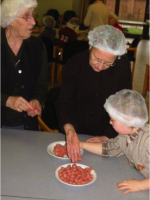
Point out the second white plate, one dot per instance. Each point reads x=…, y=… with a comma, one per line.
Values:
x=51, y=146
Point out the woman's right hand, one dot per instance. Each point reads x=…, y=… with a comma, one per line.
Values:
x=73, y=148
x=18, y=103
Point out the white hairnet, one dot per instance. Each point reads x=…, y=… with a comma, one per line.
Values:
x=128, y=107
x=10, y=9
x=73, y=22
x=109, y=39
x=49, y=21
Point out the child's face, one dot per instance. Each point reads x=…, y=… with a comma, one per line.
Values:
x=120, y=128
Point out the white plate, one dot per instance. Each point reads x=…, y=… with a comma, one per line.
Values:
x=51, y=146
x=83, y=166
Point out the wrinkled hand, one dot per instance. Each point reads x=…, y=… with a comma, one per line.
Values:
x=98, y=139
x=18, y=103
x=36, y=108
x=73, y=148
x=130, y=185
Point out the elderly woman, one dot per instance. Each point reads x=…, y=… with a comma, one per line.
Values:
x=68, y=32
x=49, y=31
x=89, y=78
x=113, y=20
x=23, y=66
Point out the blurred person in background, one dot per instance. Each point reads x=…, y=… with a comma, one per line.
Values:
x=23, y=66
x=48, y=29
x=113, y=20
x=97, y=14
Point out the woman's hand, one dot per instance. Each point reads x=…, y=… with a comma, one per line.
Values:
x=36, y=108
x=18, y=103
x=130, y=185
x=98, y=139
x=73, y=148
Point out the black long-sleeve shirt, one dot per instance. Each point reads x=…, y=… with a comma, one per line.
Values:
x=84, y=91
x=28, y=79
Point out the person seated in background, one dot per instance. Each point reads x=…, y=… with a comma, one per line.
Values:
x=37, y=23
x=68, y=32
x=89, y=78
x=48, y=29
x=128, y=116
x=113, y=20
x=23, y=66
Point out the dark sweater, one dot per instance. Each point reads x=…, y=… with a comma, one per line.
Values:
x=84, y=91
x=28, y=79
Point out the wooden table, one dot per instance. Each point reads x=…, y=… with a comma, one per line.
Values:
x=28, y=171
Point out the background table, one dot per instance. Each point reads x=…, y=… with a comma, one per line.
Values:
x=28, y=171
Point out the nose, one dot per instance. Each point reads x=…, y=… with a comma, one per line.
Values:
x=100, y=66
x=32, y=21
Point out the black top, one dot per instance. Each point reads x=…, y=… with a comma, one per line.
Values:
x=24, y=74
x=84, y=91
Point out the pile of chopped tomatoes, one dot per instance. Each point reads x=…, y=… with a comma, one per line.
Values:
x=75, y=175
x=60, y=150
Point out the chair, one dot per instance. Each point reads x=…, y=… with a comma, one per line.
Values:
x=68, y=15
x=55, y=14
x=70, y=49
x=48, y=115
x=51, y=52
x=131, y=52
x=44, y=127
x=146, y=81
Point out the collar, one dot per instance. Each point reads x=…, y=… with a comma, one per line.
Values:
x=131, y=138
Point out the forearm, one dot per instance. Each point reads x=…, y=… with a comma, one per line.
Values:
x=145, y=184
x=92, y=147
x=68, y=127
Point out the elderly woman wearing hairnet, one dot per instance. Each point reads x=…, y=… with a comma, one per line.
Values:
x=128, y=116
x=68, y=32
x=88, y=79
x=49, y=31
x=23, y=66
x=113, y=20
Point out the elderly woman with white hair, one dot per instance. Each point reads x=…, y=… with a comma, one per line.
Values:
x=48, y=30
x=89, y=78
x=23, y=66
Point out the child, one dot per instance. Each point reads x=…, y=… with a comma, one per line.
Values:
x=128, y=116
x=113, y=20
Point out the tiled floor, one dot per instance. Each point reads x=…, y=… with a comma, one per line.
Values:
x=142, y=58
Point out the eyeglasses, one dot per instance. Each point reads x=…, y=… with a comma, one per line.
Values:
x=98, y=62
x=27, y=17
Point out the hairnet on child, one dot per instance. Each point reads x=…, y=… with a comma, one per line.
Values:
x=73, y=22
x=10, y=9
x=113, y=15
x=108, y=38
x=128, y=107
x=49, y=21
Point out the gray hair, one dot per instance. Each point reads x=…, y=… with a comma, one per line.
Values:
x=73, y=22
x=49, y=21
x=108, y=38
x=10, y=9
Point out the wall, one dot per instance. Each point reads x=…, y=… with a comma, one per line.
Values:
x=60, y=5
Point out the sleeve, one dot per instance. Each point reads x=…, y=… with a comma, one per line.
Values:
x=124, y=73
x=42, y=83
x=112, y=148
x=4, y=98
x=65, y=102
x=88, y=17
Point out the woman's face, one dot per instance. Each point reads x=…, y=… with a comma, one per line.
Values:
x=22, y=26
x=100, y=60
x=111, y=21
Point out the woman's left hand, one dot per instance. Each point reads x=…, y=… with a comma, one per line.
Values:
x=36, y=108
x=130, y=185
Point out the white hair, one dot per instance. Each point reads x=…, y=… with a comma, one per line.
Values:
x=10, y=9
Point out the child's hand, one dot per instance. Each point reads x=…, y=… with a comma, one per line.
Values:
x=130, y=185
